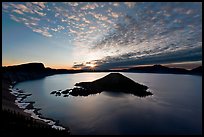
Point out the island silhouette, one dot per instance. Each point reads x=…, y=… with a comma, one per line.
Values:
x=113, y=82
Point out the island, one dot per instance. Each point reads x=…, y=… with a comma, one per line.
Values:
x=113, y=82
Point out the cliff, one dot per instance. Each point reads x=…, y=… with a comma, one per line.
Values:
x=30, y=71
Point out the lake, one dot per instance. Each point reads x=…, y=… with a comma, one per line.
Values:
x=174, y=108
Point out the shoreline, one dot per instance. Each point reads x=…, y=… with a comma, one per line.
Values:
x=13, y=101
x=29, y=108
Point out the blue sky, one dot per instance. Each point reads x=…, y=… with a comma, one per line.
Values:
x=103, y=35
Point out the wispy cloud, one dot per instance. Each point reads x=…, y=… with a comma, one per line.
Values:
x=32, y=8
x=17, y=11
x=73, y=4
x=41, y=4
x=99, y=16
x=73, y=18
x=116, y=4
x=44, y=32
x=130, y=4
x=40, y=13
x=58, y=28
x=143, y=41
x=14, y=18
x=86, y=21
x=115, y=14
x=120, y=33
x=90, y=6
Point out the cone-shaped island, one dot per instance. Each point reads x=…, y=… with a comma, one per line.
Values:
x=114, y=82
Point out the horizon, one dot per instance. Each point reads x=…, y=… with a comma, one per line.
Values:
x=102, y=35
x=187, y=66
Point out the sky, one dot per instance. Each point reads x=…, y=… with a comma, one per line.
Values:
x=102, y=35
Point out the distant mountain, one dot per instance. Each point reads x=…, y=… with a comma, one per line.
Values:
x=29, y=67
x=163, y=69
x=30, y=71
x=37, y=70
x=197, y=71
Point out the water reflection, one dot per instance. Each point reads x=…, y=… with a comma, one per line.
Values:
x=175, y=107
x=114, y=94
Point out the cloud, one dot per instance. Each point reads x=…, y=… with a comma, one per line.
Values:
x=117, y=32
x=5, y=5
x=92, y=27
x=32, y=8
x=22, y=8
x=194, y=54
x=189, y=12
x=30, y=22
x=59, y=28
x=130, y=4
x=44, y=32
x=54, y=29
x=90, y=6
x=99, y=16
x=34, y=19
x=66, y=13
x=73, y=17
x=80, y=66
x=17, y=11
x=73, y=4
x=14, y=18
x=116, y=4
x=73, y=31
x=40, y=13
x=85, y=65
x=41, y=4
x=114, y=14
x=86, y=21
x=141, y=40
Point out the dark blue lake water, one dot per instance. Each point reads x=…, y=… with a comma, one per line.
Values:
x=174, y=108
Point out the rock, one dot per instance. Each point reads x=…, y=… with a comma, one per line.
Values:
x=65, y=95
x=82, y=92
x=20, y=91
x=53, y=92
x=66, y=91
x=112, y=82
x=58, y=94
